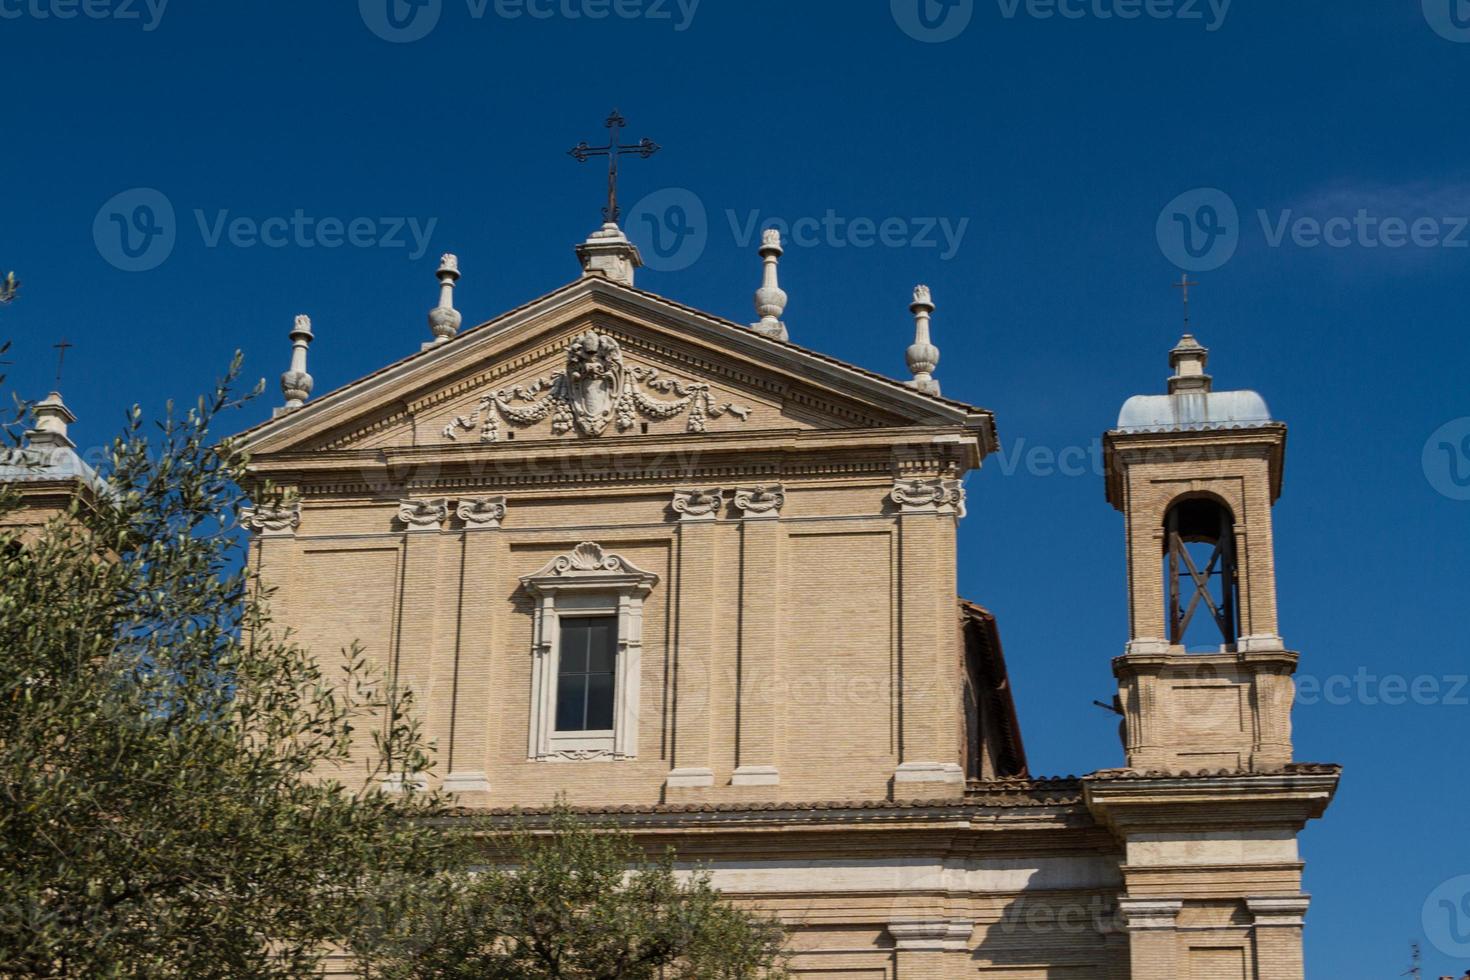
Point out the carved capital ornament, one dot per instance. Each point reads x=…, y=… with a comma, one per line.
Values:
x=763, y=501
x=481, y=512
x=423, y=515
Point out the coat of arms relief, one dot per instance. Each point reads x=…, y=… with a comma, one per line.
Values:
x=596, y=390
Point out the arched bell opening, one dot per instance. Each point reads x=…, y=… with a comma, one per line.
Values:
x=1200, y=580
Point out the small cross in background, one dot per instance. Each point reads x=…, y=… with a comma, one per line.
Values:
x=61, y=350
x=1183, y=284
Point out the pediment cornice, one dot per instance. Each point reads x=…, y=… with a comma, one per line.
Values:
x=649, y=329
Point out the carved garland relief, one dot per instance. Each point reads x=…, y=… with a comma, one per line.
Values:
x=597, y=389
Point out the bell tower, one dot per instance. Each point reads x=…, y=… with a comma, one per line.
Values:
x=1205, y=681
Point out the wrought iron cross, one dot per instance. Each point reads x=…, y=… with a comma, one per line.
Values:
x=582, y=152
x=1183, y=284
x=61, y=350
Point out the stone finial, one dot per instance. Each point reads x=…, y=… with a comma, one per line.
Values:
x=770, y=299
x=923, y=356
x=52, y=418
x=444, y=319
x=296, y=383
x=1188, y=359
x=609, y=254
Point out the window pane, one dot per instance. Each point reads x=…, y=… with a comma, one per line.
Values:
x=571, y=700
x=585, y=674
x=599, y=702
x=603, y=650
x=573, y=646
x=573, y=652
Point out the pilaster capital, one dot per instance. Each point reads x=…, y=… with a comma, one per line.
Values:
x=423, y=515
x=273, y=518
x=480, y=513
x=938, y=496
x=764, y=501
x=698, y=505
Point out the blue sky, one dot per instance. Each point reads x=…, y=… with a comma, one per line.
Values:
x=1025, y=159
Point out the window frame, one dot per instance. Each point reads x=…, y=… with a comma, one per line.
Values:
x=587, y=582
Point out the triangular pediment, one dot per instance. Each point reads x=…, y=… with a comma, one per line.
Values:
x=596, y=359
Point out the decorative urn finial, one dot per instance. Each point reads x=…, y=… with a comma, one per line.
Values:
x=444, y=319
x=770, y=299
x=296, y=383
x=923, y=356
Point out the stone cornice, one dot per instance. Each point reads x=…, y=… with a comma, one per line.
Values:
x=1155, y=802
x=1122, y=449
x=727, y=458
x=425, y=378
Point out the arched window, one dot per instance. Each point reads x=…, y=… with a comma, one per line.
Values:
x=1200, y=571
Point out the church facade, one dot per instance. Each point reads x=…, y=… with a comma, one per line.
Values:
x=701, y=582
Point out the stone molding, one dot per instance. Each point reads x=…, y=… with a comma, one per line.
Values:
x=756, y=776
x=929, y=772
x=480, y=513
x=691, y=777
x=1141, y=914
x=698, y=505
x=1289, y=911
x=466, y=782
x=931, y=935
x=761, y=501
x=396, y=783
x=423, y=515
x=272, y=519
